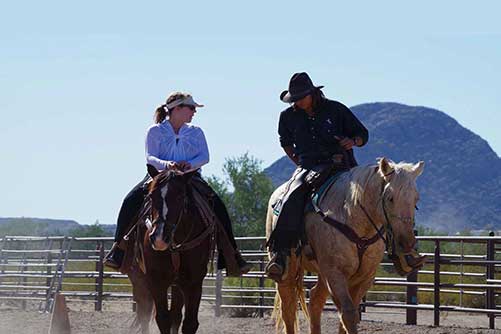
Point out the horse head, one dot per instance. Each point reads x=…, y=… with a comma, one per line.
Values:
x=169, y=195
x=399, y=199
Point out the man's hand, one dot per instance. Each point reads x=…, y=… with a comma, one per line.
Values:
x=345, y=142
x=289, y=150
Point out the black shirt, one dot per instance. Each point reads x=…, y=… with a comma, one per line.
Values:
x=313, y=137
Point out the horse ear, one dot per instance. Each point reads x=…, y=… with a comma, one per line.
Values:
x=152, y=170
x=418, y=168
x=385, y=167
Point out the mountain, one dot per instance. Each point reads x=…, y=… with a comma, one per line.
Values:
x=48, y=227
x=460, y=188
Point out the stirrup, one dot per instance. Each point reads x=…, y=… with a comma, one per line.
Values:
x=113, y=259
x=275, y=270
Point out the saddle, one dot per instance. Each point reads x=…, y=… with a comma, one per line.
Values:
x=133, y=246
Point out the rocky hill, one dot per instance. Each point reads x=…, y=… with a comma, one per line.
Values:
x=461, y=186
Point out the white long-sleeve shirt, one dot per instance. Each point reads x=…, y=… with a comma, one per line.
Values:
x=164, y=145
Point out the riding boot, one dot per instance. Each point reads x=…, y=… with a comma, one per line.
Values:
x=115, y=257
x=278, y=266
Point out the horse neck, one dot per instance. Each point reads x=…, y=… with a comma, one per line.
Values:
x=190, y=225
x=352, y=213
x=371, y=201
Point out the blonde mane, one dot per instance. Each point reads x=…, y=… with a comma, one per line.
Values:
x=350, y=189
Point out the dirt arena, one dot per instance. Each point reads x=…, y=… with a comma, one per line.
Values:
x=113, y=320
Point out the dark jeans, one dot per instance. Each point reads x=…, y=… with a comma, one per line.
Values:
x=289, y=228
x=130, y=208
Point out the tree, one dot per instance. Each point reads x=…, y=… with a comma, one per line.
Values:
x=247, y=203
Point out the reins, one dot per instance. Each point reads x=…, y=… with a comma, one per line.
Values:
x=187, y=244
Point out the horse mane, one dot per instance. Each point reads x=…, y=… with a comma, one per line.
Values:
x=160, y=180
x=349, y=191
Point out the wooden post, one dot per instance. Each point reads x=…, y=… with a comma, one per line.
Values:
x=49, y=262
x=59, y=321
x=436, y=285
x=219, y=294
x=411, y=314
x=490, y=300
x=261, y=287
x=98, y=305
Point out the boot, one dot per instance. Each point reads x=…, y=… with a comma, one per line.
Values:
x=278, y=266
x=115, y=257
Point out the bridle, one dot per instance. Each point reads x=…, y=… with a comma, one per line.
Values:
x=385, y=232
x=188, y=242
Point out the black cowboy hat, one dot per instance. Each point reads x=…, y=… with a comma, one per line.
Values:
x=300, y=86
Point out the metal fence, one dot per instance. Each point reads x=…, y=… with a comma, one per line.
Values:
x=35, y=269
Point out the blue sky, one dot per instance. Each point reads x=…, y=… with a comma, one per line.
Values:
x=79, y=81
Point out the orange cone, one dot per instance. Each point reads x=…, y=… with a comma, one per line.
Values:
x=59, y=322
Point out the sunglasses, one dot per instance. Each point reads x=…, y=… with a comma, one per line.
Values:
x=192, y=108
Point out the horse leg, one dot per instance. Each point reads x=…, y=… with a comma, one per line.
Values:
x=288, y=294
x=358, y=292
x=176, y=307
x=192, y=296
x=318, y=297
x=288, y=304
x=159, y=294
x=144, y=309
x=348, y=313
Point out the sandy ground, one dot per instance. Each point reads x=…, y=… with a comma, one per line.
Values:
x=117, y=319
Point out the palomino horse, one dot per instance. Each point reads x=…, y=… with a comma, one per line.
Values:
x=366, y=198
x=176, y=249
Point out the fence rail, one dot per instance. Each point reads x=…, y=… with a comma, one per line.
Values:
x=34, y=269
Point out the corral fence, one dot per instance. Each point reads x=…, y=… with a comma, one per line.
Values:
x=462, y=274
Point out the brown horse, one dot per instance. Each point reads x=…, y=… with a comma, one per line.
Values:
x=175, y=253
x=375, y=203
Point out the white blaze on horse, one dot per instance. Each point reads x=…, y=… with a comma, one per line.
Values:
x=365, y=208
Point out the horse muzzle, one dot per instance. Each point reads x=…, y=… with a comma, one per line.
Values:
x=157, y=238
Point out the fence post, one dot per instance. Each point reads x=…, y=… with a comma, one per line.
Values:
x=436, y=285
x=219, y=295
x=490, y=301
x=98, y=306
x=411, y=314
x=261, y=287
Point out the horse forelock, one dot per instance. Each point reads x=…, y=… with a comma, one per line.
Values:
x=159, y=181
x=404, y=177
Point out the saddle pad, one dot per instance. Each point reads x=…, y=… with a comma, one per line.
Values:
x=318, y=195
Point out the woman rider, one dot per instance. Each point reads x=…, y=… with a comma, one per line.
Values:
x=318, y=135
x=173, y=143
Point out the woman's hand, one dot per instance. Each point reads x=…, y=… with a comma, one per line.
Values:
x=172, y=165
x=183, y=165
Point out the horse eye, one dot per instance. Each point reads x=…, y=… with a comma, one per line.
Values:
x=390, y=199
x=416, y=208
